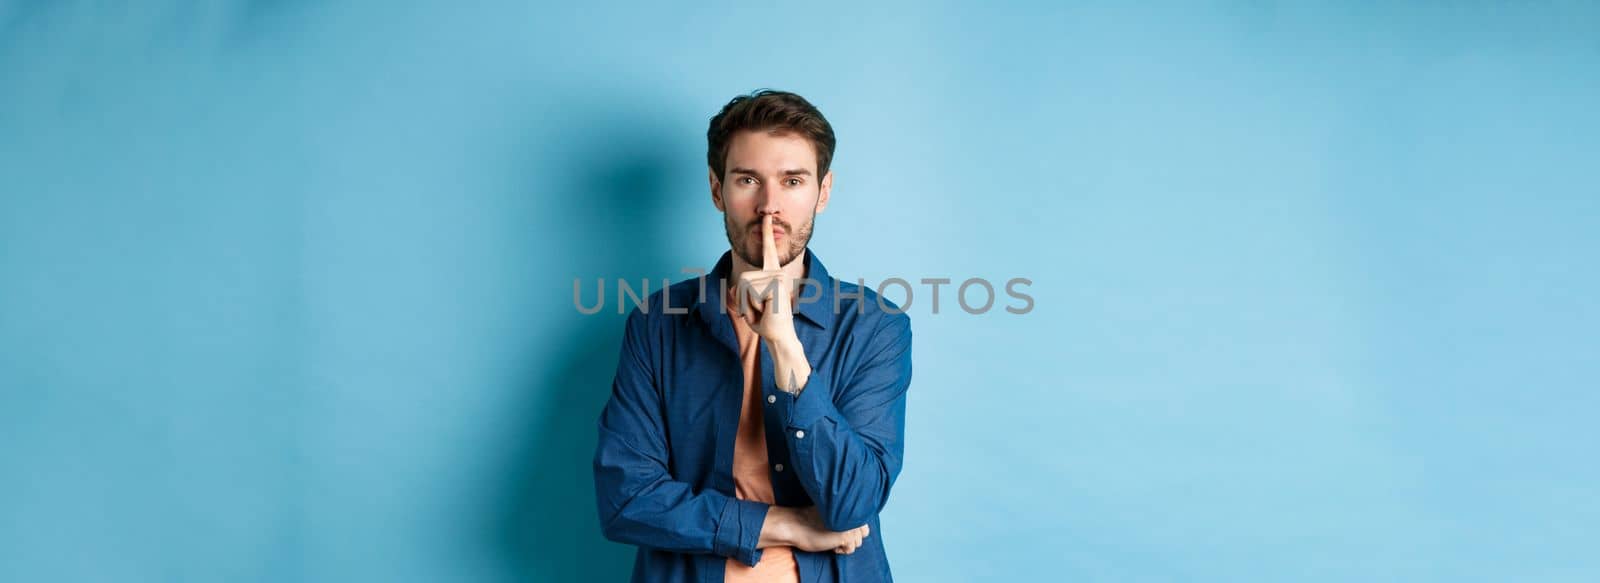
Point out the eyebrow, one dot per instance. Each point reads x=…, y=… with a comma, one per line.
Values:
x=791, y=172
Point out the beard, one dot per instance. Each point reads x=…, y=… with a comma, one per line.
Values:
x=747, y=243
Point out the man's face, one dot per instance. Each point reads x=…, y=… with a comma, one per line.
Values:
x=770, y=174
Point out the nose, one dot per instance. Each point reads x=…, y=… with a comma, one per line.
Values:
x=766, y=205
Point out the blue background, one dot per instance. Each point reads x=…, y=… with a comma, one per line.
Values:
x=286, y=287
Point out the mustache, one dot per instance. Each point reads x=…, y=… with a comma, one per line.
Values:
x=776, y=222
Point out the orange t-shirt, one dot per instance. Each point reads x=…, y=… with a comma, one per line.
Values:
x=750, y=478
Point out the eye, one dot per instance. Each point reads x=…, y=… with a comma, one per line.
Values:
x=794, y=182
x=746, y=180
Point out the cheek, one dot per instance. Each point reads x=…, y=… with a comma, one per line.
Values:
x=741, y=205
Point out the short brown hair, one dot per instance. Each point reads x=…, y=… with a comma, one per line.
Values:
x=770, y=111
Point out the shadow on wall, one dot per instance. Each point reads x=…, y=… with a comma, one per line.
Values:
x=547, y=528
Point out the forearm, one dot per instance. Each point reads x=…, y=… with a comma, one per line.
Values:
x=845, y=442
x=779, y=527
x=791, y=369
x=641, y=506
x=802, y=529
x=846, y=476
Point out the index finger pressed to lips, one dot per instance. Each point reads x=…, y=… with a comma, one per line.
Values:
x=769, y=248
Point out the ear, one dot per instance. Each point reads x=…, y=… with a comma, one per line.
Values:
x=716, y=189
x=827, y=187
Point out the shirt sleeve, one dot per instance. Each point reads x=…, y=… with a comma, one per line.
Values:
x=639, y=502
x=846, y=442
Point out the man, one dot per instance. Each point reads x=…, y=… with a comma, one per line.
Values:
x=757, y=419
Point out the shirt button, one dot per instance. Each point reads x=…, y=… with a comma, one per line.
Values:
x=799, y=434
x=772, y=398
x=778, y=467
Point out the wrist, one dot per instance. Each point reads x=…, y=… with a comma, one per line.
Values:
x=785, y=343
x=788, y=350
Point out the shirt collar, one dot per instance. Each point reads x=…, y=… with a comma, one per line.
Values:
x=814, y=304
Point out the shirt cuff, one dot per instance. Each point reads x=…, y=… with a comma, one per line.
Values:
x=739, y=530
x=814, y=402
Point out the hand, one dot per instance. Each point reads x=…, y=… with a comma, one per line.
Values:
x=802, y=528
x=848, y=541
x=764, y=300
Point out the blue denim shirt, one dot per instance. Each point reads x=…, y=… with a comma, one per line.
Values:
x=663, y=467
